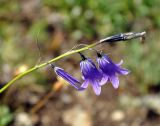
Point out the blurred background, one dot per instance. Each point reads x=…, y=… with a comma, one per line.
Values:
x=42, y=99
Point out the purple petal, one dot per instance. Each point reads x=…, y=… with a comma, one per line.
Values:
x=89, y=60
x=66, y=76
x=89, y=70
x=115, y=81
x=123, y=71
x=91, y=74
x=104, y=80
x=96, y=87
x=120, y=63
x=107, y=58
x=85, y=84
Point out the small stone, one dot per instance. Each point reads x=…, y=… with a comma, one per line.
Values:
x=152, y=102
x=23, y=119
x=76, y=116
x=117, y=115
x=67, y=99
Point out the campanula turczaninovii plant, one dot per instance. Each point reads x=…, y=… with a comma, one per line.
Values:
x=95, y=75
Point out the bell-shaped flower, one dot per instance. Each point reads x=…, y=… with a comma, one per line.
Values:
x=110, y=70
x=69, y=78
x=91, y=75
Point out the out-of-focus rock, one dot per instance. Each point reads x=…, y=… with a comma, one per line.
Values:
x=129, y=101
x=117, y=115
x=30, y=7
x=148, y=101
x=67, y=99
x=23, y=119
x=76, y=116
x=55, y=18
x=152, y=102
x=46, y=120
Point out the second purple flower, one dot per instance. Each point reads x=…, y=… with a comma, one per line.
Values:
x=110, y=70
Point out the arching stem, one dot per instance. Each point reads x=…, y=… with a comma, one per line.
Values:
x=45, y=64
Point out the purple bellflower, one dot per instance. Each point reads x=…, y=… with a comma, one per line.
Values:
x=91, y=75
x=69, y=78
x=110, y=70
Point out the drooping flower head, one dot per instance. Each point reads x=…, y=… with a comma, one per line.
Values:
x=110, y=70
x=91, y=75
x=69, y=78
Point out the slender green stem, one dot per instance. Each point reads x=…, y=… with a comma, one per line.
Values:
x=44, y=64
